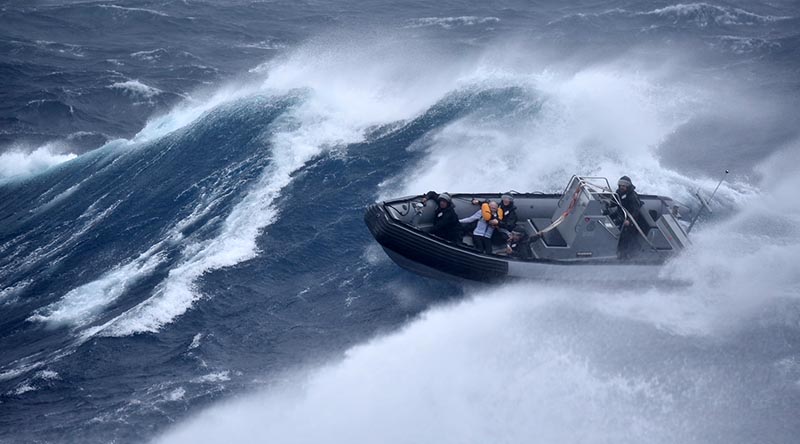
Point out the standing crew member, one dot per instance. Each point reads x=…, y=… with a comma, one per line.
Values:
x=626, y=192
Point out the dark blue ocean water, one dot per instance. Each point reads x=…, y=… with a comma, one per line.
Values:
x=183, y=257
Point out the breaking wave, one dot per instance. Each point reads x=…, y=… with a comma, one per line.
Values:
x=17, y=163
x=320, y=122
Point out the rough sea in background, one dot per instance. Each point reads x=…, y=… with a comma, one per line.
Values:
x=183, y=257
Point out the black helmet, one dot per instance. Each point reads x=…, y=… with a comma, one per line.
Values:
x=625, y=180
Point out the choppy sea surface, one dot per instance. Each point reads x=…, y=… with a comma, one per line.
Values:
x=183, y=257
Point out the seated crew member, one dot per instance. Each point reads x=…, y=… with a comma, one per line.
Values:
x=507, y=216
x=488, y=218
x=445, y=219
x=519, y=244
x=509, y=220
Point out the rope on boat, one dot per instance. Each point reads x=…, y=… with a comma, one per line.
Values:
x=574, y=201
x=564, y=215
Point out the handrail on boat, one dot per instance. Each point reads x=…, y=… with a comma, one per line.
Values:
x=594, y=190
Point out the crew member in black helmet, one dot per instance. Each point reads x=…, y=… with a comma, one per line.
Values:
x=509, y=222
x=626, y=192
x=445, y=221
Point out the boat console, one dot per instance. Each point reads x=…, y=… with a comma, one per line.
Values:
x=585, y=223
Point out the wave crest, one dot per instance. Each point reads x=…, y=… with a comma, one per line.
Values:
x=18, y=163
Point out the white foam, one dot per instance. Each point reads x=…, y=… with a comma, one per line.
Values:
x=137, y=88
x=128, y=9
x=149, y=55
x=584, y=15
x=58, y=197
x=746, y=45
x=188, y=112
x=176, y=395
x=22, y=389
x=29, y=386
x=450, y=22
x=221, y=376
x=374, y=255
x=601, y=121
x=19, y=370
x=8, y=294
x=704, y=14
x=196, y=341
x=480, y=371
x=63, y=48
x=266, y=44
x=19, y=163
x=47, y=375
x=80, y=305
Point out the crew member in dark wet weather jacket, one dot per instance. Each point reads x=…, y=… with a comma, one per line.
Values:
x=509, y=221
x=445, y=221
x=628, y=195
x=626, y=192
x=519, y=244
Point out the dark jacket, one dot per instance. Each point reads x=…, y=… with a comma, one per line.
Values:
x=445, y=224
x=521, y=249
x=630, y=200
x=509, y=220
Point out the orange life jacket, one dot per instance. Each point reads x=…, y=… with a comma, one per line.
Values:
x=486, y=210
